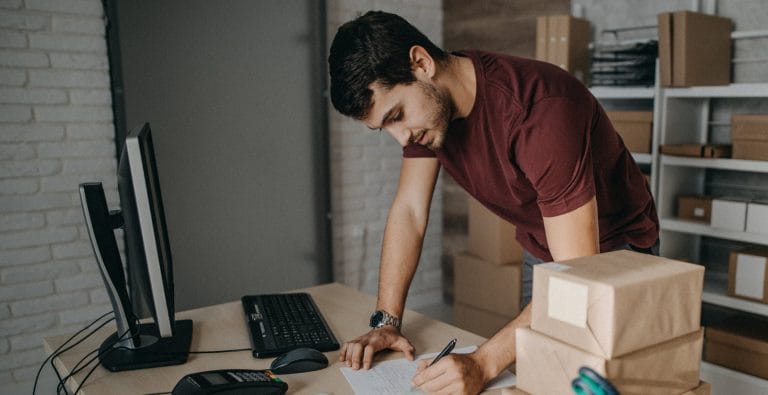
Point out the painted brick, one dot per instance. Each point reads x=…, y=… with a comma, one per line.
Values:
x=12, y=77
x=29, y=168
x=85, y=281
x=46, y=304
x=73, y=113
x=17, y=20
x=73, y=216
x=39, y=272
x=79, y=61
x=33, y=132
x=5, y=346
x=85, y=315
x=32, y=96
x=11, y=113
x=89, y=166
x=90, y=131
x=77, y=249
x=12, y=39
x=10, y=4
x=99, y=296
x=71, y=183
x=90, y=97
x=86, y=7
x=21, y=221
x=27, y=291
x=70, y=24
x=64, y=42
x=76, y=149
x=16, y=152
x=16, y=58
x=5, y=312
x=11, y=204
x=15, y=326
x=37, y=238
x=69, y=78
x=21, y=358
x=24, y=256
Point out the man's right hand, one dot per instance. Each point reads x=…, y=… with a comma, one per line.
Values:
x=359, y=352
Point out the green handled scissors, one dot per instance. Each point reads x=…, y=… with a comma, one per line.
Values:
x=591, y=383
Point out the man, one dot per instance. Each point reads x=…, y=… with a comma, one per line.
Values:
x=523, y=137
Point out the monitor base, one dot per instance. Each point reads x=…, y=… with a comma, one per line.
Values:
x=164, y=352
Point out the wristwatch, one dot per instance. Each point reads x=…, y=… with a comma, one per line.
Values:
x=380, y=318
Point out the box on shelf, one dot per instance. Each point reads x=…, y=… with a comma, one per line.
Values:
x=738, y=343
x=564, y=41
x=747, y=275
x=757, y=217
x=704, y=388
x=749, y=134
x=694, y=49
x=729, y=213
x=547, y=366
x=491, y=287
x=635, y=128
x=694, y=208
x=477, y=320
x=617, y=302
x=697, y=150
x=491, y=237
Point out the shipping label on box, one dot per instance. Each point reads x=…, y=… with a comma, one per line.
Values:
x=747, y=275
x=491, y=287
x=491, y=237
x=547, y=366
x=757, y=217
x=694, y=208
x=729, y=213
x=618, y=302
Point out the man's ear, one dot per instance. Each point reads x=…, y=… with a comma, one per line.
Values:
x=422, y=64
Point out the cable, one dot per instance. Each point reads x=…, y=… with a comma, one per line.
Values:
x=42, y=365
x=57, y=353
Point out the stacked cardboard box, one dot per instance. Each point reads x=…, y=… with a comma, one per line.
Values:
x=487, y=276
x=747, y=275
x=740, y=343
x=631, y=317
x=634, y=127
x=564, y=41
x=749, y=134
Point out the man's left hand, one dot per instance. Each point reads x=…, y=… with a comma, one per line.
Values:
x=453, y=374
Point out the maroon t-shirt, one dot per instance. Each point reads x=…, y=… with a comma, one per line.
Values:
x=538, y=144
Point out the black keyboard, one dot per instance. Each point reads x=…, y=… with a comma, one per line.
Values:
x=279, y=323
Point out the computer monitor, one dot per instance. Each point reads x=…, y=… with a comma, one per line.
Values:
x=148, y=287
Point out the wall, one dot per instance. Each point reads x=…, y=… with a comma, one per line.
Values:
x=55, y=132
x=364, y=173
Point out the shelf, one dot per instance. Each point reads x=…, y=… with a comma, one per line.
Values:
x=642, y=159
x=755, y=166
x=697, y=228
x=622, y=92
x=716, y=292
x=732, y=90
x=728, y=381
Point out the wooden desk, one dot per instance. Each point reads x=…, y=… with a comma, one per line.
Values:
x=223, y=327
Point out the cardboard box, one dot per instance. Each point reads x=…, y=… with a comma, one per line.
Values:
x=635, y=128
x=491, y=237
x=739, y=343
x=729, y=213
x=749, y=134
x=694, y=49
x=697, y=150
x=694, y=208
x=747, y=275
x=757, y=217
x=617, y=302
x=477, y=320
x=564, y=41
x=704, y=388
x=493, y=288
x=547, y=366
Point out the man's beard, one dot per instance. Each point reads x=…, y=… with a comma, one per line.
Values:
x=442, y=112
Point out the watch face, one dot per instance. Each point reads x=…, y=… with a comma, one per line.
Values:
x=376, y=319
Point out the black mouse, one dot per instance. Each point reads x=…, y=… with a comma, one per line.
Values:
x=298, y=361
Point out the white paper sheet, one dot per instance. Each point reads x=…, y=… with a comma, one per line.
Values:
x=394, y=377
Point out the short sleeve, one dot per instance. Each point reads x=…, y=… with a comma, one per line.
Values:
x=553, y=149
x=413, y=150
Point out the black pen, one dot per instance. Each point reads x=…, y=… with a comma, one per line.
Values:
x=447, y=350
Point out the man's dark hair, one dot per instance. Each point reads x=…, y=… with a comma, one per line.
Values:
x=373, y=48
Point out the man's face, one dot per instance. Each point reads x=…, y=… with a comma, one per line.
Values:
x=418, y=112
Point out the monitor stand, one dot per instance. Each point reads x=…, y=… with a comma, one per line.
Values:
x=157, y=352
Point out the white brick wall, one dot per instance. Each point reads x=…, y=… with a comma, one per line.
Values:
x=365, y=168
x=55, y=132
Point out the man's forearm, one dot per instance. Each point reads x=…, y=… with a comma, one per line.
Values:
x=499, y=352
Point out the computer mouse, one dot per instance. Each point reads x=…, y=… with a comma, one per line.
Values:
x=299, y=360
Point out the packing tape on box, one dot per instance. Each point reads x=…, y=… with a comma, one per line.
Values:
x=568, y=301
x=750, y=276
